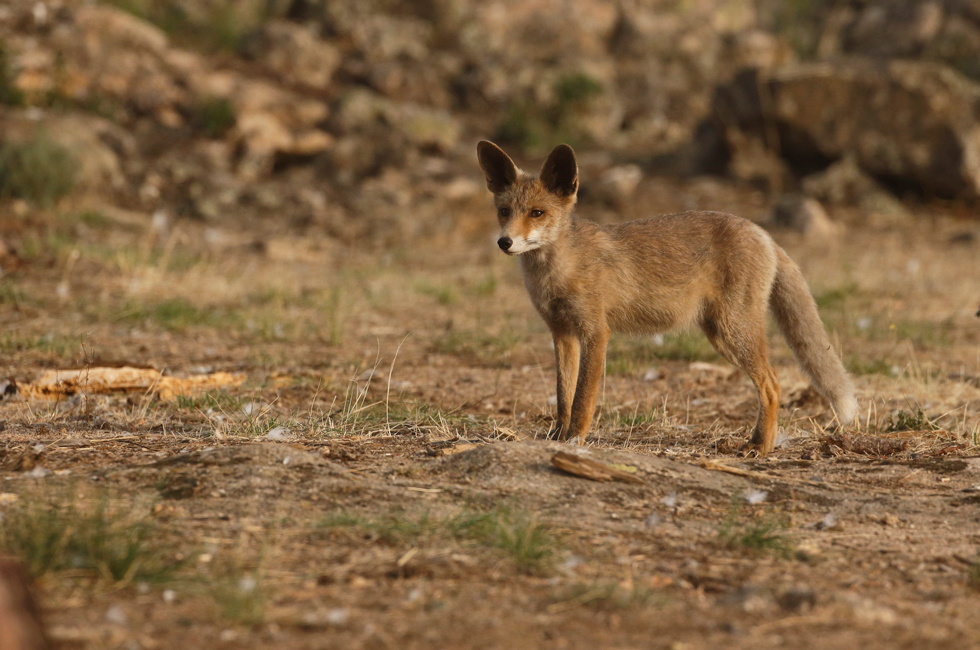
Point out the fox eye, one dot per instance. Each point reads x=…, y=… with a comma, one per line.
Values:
x=504, y=212
x=537, y=213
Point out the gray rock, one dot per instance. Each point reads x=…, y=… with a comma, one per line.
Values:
x=904, y=120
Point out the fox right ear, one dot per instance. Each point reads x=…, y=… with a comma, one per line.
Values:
x=500, y=170
x=560, y=171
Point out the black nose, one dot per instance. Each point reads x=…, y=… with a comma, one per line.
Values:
x=505, y=243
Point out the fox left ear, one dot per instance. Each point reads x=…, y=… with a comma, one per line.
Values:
x=560, y=172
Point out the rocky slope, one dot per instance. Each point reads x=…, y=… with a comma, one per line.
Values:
x=359, y=118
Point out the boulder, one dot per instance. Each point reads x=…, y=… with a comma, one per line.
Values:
x=909, y=122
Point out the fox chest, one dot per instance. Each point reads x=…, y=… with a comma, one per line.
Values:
x=563, y=308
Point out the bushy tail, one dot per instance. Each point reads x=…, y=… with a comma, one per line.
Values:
x=796, y=314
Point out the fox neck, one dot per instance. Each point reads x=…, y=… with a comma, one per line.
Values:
x=547, y=269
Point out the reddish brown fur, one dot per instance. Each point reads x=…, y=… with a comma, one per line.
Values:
x=712, y=269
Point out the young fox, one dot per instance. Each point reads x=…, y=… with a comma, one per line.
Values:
x=650, y=276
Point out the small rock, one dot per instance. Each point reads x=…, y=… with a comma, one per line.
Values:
x=842, y=183
x=38, y=472
x=803, y=215
x=755, y=497
x=116, y=616
x=829, y=521
x=618, y=184
x=797, y=599
x=337, y=616
x=278, y=433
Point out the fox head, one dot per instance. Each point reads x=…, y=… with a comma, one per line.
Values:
x=532, y=211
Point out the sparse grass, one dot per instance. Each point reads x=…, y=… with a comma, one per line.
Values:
x=40, y=171
x=485, y=287
x=573, y=90
x=766, y=533
x=173, y=314
x=95, y=219
x=605, y=596
x=536, y=127
x=527, y=542
x=629, y=355
x=973, y=576
x=218, y=401
x=909, y=421
x=216, y=26
x=56, y=344
x=480, y=345
x=878, y=366
x=108, y=538
x=239, y=594
x=635, y=418
x=10, y=94
x=444, y=294
x=11, y=293
x=337, y=310
x=215, y=116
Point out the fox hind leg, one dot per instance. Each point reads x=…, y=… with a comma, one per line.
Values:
x=744, y=344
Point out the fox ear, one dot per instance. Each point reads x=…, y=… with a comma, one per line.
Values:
x=500, y=170
x=560, y=171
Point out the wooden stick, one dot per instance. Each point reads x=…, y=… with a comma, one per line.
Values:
x=591, y=469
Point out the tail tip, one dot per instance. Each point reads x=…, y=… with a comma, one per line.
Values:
x=846, y=408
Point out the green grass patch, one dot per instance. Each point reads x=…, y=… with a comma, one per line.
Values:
x=536, y=127
x=40, y=171
x=443, y=294
x=111, y=539
x=879, y=366
x=214, y=116
x=212, y=27
x=973, y=576
x=239, y=595
x=12, y=294
x=757, y=532
x=516, y=533
x=10, y=94
x=96, y=219
x=485, y=287
x=606, y=596
x=909, y=421
x=56, y=344
x=174, y=314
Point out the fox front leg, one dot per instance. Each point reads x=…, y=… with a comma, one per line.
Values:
x=591, y=366
x=567, y=351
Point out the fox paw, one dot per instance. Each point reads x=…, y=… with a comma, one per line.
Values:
x=754, y=450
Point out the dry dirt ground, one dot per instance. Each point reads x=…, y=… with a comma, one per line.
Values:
x=381, y=478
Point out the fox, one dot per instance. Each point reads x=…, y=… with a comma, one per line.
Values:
x=715, y=270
